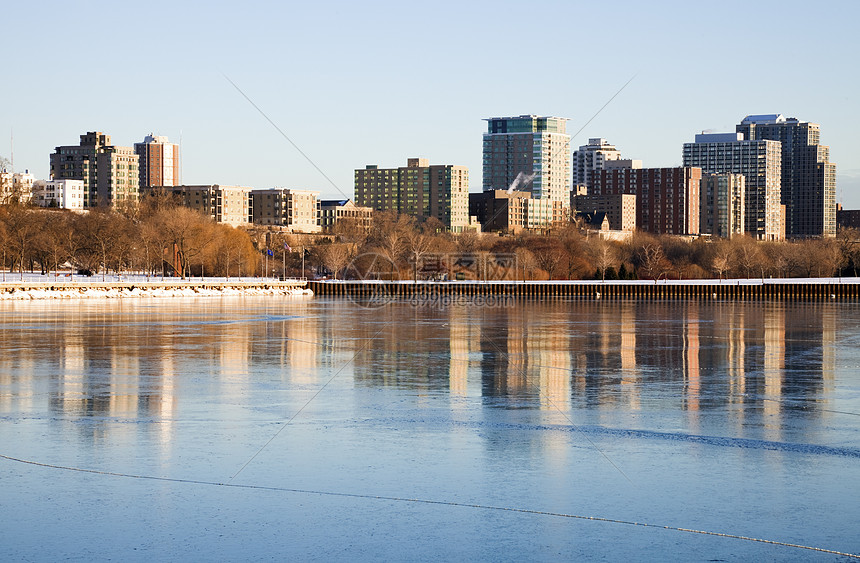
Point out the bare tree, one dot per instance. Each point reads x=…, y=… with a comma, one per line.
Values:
x=722, y=261
x=526, y=262
x=187, y=232
x=336, y=256
x=21, y=226
x=829, y=257
x=749, y=257
x=549, y=253
x=604, y=255
x=653, y=262
x=97, y=233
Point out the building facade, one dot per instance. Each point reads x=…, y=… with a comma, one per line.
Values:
x=808, y=178
x=667, y=199
x=499, y=210
x=65, y=194
x=848, y=218
x=158, y=162
x=543, y=214
x=723, y=205
x=223, y=204
x=16, y=187
x=110, y=173
x=591, y=157
x=419, y=189
x=528, y=153
x=296, y=211
x=334, y=210
x=619, y=208
x=760, y=162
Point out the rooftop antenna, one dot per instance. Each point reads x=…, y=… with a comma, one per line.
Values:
x=12, y=149
x=180, y=158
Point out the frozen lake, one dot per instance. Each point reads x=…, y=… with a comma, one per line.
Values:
x=261, y=428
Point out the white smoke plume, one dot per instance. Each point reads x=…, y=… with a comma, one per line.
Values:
x=522, y=179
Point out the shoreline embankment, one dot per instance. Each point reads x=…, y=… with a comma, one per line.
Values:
x=806, y=289
x=58, y=289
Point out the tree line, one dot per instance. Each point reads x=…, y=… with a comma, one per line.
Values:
x=158, y=236
x=155, y=237
x=569, y=253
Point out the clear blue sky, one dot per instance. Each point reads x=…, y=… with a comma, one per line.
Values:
x=355, y=83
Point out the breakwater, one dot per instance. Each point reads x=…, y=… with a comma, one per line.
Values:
x=60, y=289
x=847, y=289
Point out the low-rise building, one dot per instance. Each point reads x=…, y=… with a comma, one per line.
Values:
x=16, y=187
x=293, y=210
x=620, y=209
x=847, y=218
x=333, y=210
x=499, y=210
x=65, y=194
x=542, y=214
x=224, y=204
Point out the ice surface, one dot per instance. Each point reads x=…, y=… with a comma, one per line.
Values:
x=341, y=421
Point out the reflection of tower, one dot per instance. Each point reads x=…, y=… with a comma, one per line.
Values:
x=300, y=348
x=460, y=342
x=735, y=360
x=550, y=352
x=828, y=355
x=518, y=351
x=692, y=382
x=774, y=364
x=630, y=388
x=71, y=392
x=124, y=382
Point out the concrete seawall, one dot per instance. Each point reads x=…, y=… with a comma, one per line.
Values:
x=847, y=289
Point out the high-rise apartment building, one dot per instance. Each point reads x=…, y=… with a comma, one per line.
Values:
x=723, y=205
x=808, y=178
x=530, y=153
x=760, y=162
x=591, y=157
x=109, y=172
x=667, y=199
x=419, y=189
x=158, y=161
x=297, y=211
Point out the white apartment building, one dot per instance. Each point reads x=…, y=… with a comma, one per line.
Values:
x=16, y=186
x=591, y=157
x=65, y=194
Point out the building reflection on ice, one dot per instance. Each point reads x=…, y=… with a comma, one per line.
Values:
x=130, y=359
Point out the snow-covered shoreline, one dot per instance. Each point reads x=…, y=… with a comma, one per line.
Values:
x=136, y=291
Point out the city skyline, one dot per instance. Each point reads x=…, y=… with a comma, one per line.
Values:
x=326, y=95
